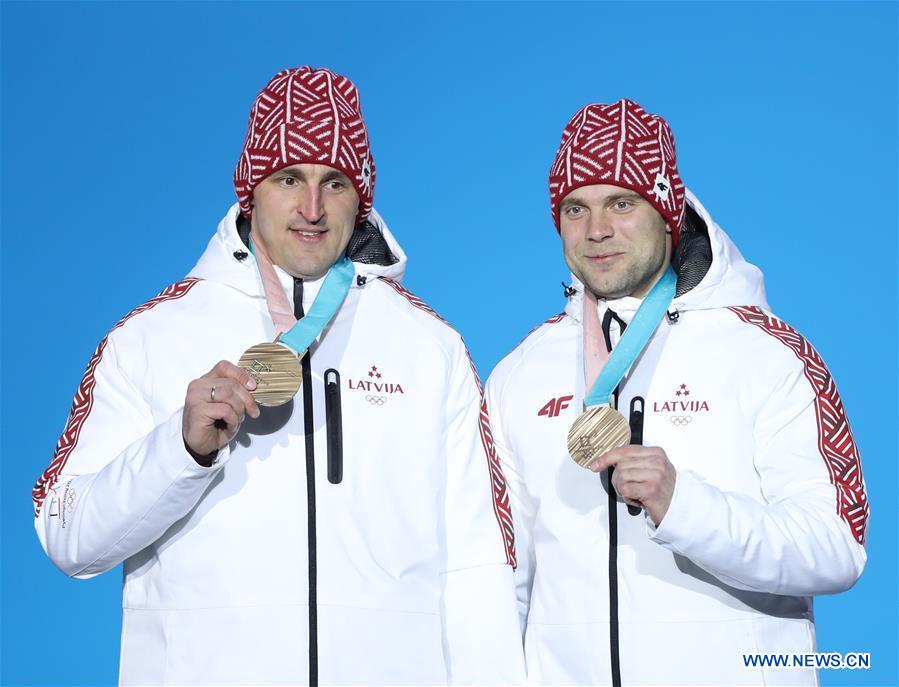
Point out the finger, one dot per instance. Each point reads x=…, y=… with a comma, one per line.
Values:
x=644, y=455
x=230, y=391
x=213, y=413
x=613, y=457
x=633, y=493
x=642, y=462
x=228, y=370
x=627, y=473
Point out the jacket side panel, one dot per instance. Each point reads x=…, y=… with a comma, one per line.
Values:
x=477, y=530
x=468, y=386
x=522, y=503
x=535, y=393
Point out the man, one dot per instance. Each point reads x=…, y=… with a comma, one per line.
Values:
x=747, y=486
x=358, y=533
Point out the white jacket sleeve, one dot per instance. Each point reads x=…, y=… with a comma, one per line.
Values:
x=807, y=536
x=523, y=507
x=116, y=482
x=481, y=639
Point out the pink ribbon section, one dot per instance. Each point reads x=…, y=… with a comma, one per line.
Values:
x=279, y=306
x=595, y=353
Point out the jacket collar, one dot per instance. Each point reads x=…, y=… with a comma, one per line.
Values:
x=226, y=259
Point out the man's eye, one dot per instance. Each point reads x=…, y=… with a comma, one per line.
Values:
x=289, y=181
x=335, y=185
x=573, y=210
x=622, y=204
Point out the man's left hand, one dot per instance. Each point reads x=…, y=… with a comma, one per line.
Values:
x=643, y=476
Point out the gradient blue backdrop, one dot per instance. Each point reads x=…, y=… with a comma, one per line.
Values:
x=121, y=124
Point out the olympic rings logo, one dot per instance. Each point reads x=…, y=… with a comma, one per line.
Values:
x=376, y=400
x=680, y=420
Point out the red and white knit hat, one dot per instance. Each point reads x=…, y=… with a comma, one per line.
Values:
x=621, y=145
x=306, y=115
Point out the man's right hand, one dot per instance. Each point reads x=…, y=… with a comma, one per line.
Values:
x=215, y=405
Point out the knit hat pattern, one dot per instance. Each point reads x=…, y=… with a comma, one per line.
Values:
x=621, y=145
x=306, y=115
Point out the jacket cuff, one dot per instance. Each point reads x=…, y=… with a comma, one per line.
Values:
x=183, y=456
x=689, y=513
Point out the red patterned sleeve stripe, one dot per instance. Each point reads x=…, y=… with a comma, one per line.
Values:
x=501, y=507
x=835, y=441
x=84, y=397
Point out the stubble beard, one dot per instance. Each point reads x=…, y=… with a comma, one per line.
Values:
x=635, y=276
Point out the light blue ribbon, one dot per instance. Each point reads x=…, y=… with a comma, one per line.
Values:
x=330, y=296
x=333, y=290
x=634, y=339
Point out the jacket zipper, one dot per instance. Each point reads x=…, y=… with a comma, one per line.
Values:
x=334, y=426
x=614, y=656
x=309, y=431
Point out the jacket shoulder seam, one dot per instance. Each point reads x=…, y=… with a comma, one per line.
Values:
x=416, y=302
x=555, y=319
x=529, y=340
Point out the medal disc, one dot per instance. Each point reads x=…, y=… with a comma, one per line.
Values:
x=598, y=430
x=276, y=369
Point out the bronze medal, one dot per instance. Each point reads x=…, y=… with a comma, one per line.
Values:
x=597, y=431
x=276, y=369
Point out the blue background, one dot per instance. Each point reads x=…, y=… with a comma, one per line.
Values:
x=121, y=124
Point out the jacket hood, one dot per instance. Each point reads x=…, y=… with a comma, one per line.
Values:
x=711, y=272
x=228, y=261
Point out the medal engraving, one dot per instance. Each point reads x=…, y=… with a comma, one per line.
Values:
x=276, y=369
x=597, y=431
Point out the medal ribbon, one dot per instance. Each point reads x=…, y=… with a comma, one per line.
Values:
x=331, y=294
x=634, y=339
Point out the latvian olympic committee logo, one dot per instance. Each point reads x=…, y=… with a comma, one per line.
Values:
x=683, y=408
x=374, y=387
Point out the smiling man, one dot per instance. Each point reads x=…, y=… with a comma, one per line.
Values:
x=723, y=487
x=324, y=503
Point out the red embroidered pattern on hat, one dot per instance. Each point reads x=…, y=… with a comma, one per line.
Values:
x=621, y=145
x=306, y=115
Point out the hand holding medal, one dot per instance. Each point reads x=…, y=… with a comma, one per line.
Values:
x=267, y=374
x=214, y=408
x=601, y=428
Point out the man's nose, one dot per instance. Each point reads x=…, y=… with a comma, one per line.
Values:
x=599, y=227
x=310, y=204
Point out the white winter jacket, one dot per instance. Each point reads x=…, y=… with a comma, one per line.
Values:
x=769, y=506
x=270, y=567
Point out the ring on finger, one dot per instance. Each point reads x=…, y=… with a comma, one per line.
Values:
x=212, y=394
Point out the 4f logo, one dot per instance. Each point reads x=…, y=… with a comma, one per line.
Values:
x=555, y=406
x=365, y=173
x=661, y=187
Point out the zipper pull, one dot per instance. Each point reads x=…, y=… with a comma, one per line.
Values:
x=333, y=426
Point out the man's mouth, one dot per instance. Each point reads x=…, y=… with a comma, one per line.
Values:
x=310, y=235
x=603, y=258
